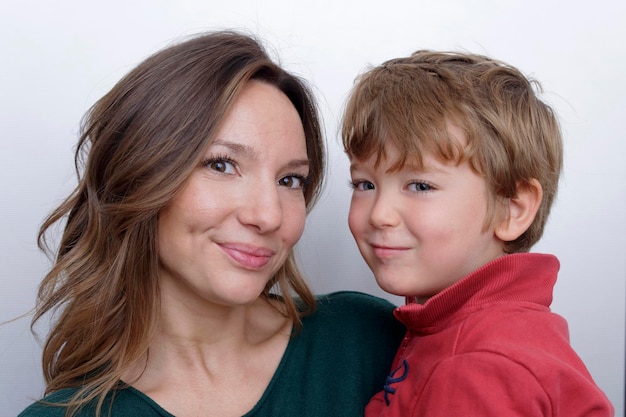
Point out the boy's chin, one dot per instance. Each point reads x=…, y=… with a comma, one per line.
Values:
x=397, y=287
x=393, y=287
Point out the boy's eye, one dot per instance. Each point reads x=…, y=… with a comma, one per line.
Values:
x=420, y=186
x=292, y=181
x=362, y=185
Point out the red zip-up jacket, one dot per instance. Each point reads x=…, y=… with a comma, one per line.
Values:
x=490, y=346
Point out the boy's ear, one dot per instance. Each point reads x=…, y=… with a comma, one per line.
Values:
x=520, y=211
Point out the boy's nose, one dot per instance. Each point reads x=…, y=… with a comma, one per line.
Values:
x=384, y=214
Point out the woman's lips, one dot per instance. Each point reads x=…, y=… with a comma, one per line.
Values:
x=248, y=256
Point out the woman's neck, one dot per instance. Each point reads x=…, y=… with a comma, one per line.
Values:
x=235, y=350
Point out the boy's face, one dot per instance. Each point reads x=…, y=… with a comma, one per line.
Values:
x=420, y=231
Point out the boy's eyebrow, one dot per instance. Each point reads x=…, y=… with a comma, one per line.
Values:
x=355, y=165
x=423, y=168
x=426, y=167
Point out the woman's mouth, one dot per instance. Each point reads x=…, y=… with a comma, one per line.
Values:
x=248, y=256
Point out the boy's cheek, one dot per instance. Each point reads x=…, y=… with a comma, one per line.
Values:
x=352, y=224
x=356, y=218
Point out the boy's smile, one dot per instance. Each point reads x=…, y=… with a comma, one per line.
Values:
x=420, y=231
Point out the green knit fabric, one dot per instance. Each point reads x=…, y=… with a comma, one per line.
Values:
x=332, y=367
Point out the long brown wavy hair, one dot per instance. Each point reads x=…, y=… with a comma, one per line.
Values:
x=138, y=145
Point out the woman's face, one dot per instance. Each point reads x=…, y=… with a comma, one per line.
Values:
x=242, y=210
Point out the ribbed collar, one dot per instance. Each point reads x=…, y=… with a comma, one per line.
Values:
x=518, y=278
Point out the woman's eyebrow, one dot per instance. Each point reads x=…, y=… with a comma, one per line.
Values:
x=248, y=152
x=298, y=163
x=237, y=148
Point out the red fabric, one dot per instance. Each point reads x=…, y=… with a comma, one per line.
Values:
x=489, y=346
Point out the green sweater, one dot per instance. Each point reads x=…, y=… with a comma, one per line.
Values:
x=332, y=367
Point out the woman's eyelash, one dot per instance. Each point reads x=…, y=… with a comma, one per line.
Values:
x=217, y=158
x=306, y=179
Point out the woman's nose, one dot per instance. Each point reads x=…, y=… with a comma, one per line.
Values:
x=262, y=208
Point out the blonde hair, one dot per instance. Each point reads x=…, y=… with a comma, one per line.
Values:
x=139, y=144
x=512, y=136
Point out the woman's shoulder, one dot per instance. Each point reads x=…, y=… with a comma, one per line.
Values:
x=51, y=405
x=350, y=333
x=351, y=311
x=121, y=402
x=353, y=302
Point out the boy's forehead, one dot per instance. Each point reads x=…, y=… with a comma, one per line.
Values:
x=387, y=154
x=412, y=148
x=392, y=159
x=457, y=132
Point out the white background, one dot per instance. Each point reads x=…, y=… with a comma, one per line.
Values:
x=58, y=57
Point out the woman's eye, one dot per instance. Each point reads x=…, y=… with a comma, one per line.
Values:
x=292, y=181
x=221, y=165
x=420, y=186
x=362, y=185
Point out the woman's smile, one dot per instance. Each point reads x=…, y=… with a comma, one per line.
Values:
x=248, y=256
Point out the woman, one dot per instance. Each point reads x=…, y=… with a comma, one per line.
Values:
x=175, y=281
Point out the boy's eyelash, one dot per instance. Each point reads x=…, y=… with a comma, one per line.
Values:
x=354, y=184
x=419, y=183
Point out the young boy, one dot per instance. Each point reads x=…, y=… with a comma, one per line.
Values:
x=455, y=164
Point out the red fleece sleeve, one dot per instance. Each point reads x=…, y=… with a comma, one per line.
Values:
x=487, y=384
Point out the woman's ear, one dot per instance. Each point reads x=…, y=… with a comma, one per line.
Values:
x=521, y=211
